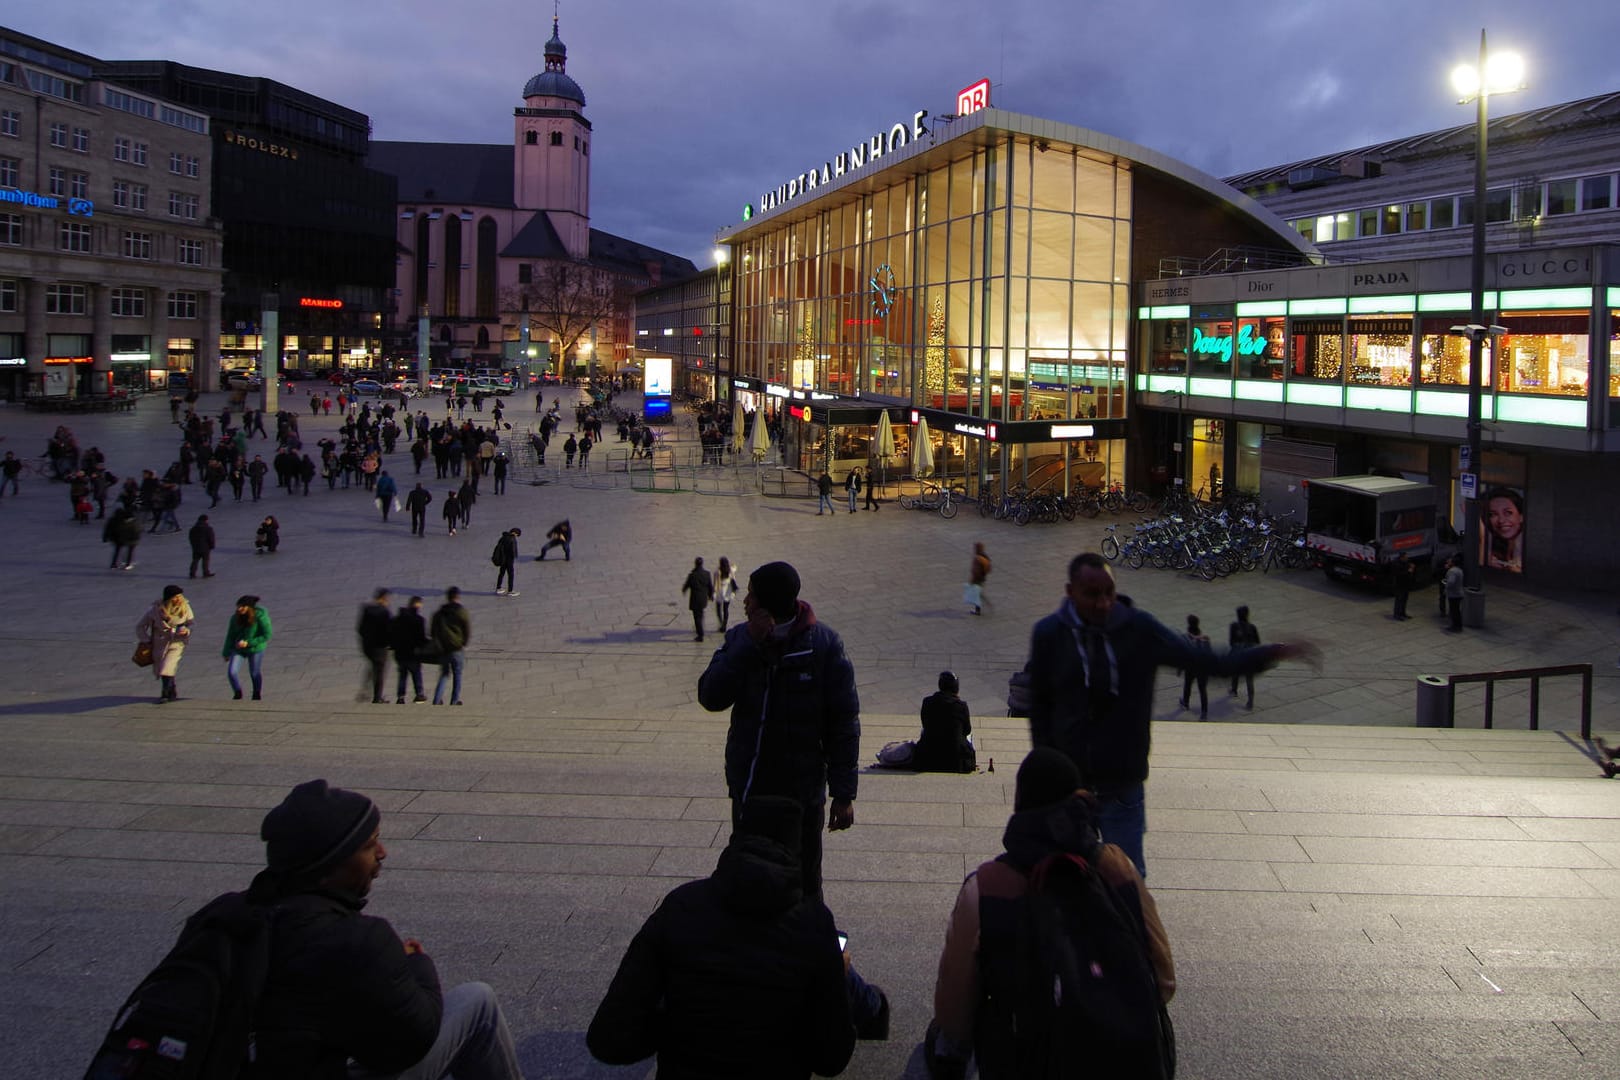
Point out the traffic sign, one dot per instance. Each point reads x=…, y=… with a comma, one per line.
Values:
x=1470, y=485
x=1465, y=461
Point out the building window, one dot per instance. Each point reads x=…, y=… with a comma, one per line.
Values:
x=1318, y=349
x=121, y=194
x=1442, y=355
x=129, y=303
x=81, y=140
x=1597, y=193
x=1417, y=216
x=137, y=245
x=525, y=273
x=120, y=148
x=58, y=181
x=127, y=103
x=585, y=148
x=8, y=172
x=1261, y=349
x=137, y=197
x=1442, y=213
x=11, y=123
x=1561, y=197
x=556, y=138
x=190, y=252
x=8, y=296
x=182, y=305
x=1543, y=352
x=11, y=229
x=137, y=154
x=183, y=204
x=177, y=163
x=1213, y=347
x=531, y=138
x=64, y=299
x=79, y=185
x=576, y=142
x=73, y=236
x=1381, y=350
x=59, y=136
x=193, y=166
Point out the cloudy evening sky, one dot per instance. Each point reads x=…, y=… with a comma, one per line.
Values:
x=699, y=106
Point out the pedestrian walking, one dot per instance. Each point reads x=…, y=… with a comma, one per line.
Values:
x=123, y=532
x=256, y=471
x=387, y=489
x=452, y=510
x=570, y=448
x=451, y=630
x=1453, y=584
x=246, y=637
x=871, y=488
x=1402, y=575
x=201, y=538
x=852, y=488
x=699, y=590
x=824, y=486
x=1198, y=640
x=165, y=629
x=585, y=444
x=417, y=503
x=725, y=591
x=375, y=631
x=561, y=535
x=502, y=464
x=1243, y=634
x=409, y=636
x=505, y=556
x=10, y=469
x=978, y=573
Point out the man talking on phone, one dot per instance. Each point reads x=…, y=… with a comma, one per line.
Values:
x=795, y=717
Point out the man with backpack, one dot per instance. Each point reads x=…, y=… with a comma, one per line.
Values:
x=1055, y=961
x=505, y=558
x=450, y=630
x=294, y=974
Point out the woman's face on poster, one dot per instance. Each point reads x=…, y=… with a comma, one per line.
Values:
x=1502, y=517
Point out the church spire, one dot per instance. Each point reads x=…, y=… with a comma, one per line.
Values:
x=556, y=51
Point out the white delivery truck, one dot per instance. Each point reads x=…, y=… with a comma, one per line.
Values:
x=1356, y=526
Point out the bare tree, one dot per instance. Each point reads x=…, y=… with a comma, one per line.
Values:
x=565, y=300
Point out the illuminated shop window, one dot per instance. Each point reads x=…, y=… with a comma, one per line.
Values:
x=1381, y=351
x=1261, y=349
x=1442, y=355
x=1544, y=353
x=1318, y=350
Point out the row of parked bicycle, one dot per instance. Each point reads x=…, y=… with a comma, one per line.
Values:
x=1211, y=544
x=1021, y=506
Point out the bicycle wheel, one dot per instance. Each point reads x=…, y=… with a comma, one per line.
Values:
x=1206, y=568
x=1067, y=509
x=985, y=507
x=1021, y=515
x=1090, y=506
x=947, y=506
x=1140, y=502
x=1134, y=557
x=1110, y=548
x=908, y=502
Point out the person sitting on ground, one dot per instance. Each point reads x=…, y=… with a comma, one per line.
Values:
x=977, y=992
x=735, y=975
x=944, y=745
x=344, y=996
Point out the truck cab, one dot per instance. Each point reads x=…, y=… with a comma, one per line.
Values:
x=1356, y=526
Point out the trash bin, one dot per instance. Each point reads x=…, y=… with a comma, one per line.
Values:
x=1473, y=608
x=1433, y=701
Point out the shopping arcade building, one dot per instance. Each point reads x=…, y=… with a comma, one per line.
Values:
x=978, y=275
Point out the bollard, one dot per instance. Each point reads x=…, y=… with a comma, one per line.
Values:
x=1433, y=701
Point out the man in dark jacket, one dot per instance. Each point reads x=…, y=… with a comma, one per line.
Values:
x=408, y=634
x=736, y=975
x=451, y=630
x=417, y=503
x=1091, y=668
x=699, y=590
x=944, y=745
x=784, y=661
x=506, y=554
x=375, y=635
x=342, y=986
x=202, y=546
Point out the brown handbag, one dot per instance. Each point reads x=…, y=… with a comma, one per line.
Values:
x=143, y=654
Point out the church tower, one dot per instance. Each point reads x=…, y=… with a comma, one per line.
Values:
x=552, y=150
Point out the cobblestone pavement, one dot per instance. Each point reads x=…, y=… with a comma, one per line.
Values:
x=1348, y=896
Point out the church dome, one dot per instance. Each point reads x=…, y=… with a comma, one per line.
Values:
x=554, y=80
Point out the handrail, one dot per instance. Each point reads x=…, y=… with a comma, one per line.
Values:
x=1535, y=675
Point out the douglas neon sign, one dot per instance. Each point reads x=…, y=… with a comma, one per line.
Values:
x=1247, y=344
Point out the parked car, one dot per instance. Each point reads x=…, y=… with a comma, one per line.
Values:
x=368, y=387
x=297, y=375
x=242, y=380
x=179, y=381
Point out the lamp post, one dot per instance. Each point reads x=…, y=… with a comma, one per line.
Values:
x=722, y=256
x=1499, y=74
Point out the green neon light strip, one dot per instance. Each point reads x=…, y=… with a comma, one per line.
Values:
x=1326, y=305
x=1453, y=301
x=1378, y=399
x=1167, y=384
x=1141, y=382
x=1373, y=305
x=1170, y=311
x=1560, y=412
x=1614, y=298
x=1219, y=388
x=1263, y=307
x=1450, y=403
x=1316, y=394
x=1142, y=313
x=1256, y=390
x=1519, y=299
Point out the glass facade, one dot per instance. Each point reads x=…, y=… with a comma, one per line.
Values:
x=993, y=285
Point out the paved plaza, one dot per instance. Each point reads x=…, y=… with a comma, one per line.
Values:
x=1347, y=895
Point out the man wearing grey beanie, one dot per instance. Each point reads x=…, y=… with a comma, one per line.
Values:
x=345, y=997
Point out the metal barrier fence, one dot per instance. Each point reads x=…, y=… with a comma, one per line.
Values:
x=1437, y=694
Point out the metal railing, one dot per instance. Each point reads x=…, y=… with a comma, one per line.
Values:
x=1535, y=675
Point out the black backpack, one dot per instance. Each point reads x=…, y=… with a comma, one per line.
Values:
x=1085, y=1001
x=498, y=555
x=191, y=1018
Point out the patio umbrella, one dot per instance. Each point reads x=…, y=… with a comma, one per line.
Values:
x=922, y=452
x=737, y=434
x=885, y=445
x=759, y=440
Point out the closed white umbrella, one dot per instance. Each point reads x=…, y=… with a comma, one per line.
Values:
x=922, y=452
x=885, y=446
x=759, y=440
x=737, y=434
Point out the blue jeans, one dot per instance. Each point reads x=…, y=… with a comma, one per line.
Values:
x=474, y=1042
x=255, y=663
x=452, y=664
x=1122, y=819
x=825, y=504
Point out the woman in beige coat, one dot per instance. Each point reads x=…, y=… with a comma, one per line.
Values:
x=167, y=626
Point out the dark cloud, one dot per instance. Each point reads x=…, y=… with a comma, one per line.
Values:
x=699, y=105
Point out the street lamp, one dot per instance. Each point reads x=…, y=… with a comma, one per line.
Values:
x=1499, y=73
x=722, y=256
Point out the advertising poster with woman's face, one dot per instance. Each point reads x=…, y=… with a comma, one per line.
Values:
x=1502, y=539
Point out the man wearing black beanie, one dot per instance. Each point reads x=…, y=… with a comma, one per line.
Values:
x=342, y=986
x=795, y=717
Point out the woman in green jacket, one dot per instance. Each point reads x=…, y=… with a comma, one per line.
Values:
x=245, y=639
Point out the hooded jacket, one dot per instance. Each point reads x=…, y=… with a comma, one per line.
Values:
x=340, y=985
x=1113, y=748
x=795, y=716
x=736, y=975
